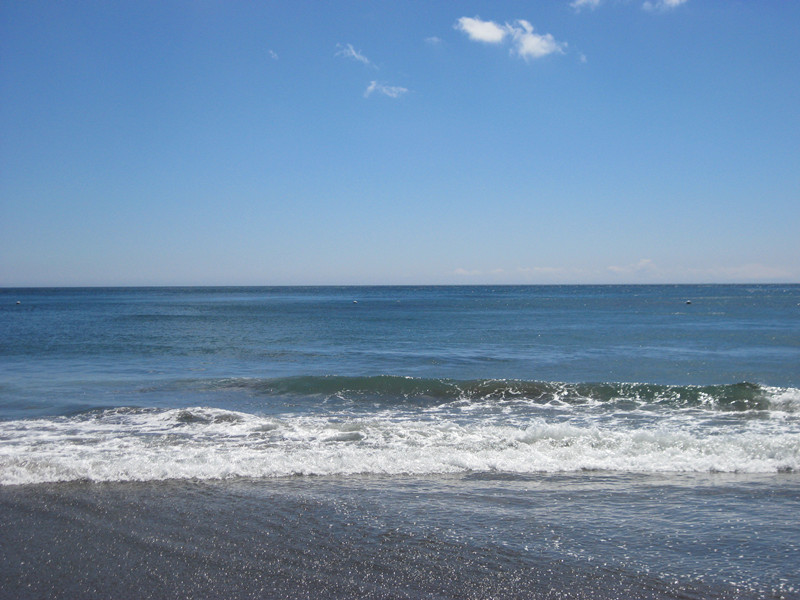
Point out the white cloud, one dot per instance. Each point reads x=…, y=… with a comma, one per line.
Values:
x=528, y=44
x=662, y=4
x=349, y=52
x=273, y=55
x=524, y=42
x=433, y=40
x=481, y=31
x=579, y=4
x=393, y=91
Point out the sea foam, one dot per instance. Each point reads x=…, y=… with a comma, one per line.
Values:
x=210, y=443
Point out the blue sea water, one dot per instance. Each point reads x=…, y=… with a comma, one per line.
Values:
x=457, y=442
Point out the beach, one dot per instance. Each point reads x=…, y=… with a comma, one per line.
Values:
x=556, y=536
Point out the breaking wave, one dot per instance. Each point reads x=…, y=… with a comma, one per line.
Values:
x=396, y=425
x=393, y=389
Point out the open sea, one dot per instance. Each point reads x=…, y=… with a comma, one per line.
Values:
x=576, y=442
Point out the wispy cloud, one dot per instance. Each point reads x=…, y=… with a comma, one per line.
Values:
x=433, y=40
x=643, y=265
x=273, y=55
x=652, y=5
x=745, y=272
x=525, y=43
x=644, y=270
x=580, y=4
x=467, y=272
x=374, y=87
x=662, y=5
x=348, y=51
x=541, y=270
x=393, y=91
x=535, y=274
x=498, y=272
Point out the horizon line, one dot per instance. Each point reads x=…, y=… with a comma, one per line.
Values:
x=386, y=285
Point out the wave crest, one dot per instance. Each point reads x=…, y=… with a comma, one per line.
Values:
x=388, y=389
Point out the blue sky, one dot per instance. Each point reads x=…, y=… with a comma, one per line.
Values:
x=272, y=143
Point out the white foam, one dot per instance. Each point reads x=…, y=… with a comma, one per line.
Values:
x=784, y=399
x=207, y=443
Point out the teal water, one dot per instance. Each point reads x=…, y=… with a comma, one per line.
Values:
x=57, y=344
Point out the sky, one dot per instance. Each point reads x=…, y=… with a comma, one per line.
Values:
x=415, y=142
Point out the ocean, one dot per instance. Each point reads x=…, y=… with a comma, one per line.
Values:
x=597, y=442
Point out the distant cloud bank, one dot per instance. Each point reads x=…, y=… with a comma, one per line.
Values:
x=644, y=270
x=644, y=264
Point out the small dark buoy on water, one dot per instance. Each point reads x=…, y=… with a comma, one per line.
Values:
x=688, y=302
x=18, y=302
